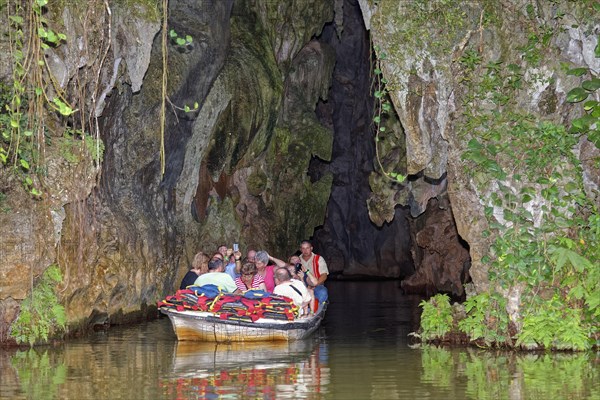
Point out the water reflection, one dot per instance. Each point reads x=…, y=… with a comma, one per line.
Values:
x=361, y=352
x=296, y=370
x=511, y=375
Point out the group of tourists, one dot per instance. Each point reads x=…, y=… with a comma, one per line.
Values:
x=301, y=278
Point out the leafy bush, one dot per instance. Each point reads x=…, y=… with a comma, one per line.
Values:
x=41, y=315
x=553, y=325
x=436, y=319
x=486, y=318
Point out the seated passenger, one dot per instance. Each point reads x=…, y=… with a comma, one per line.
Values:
x=199, y=267
x=216, y=276
x=233, y=267
x=265, y=270
x=251, y=255
x=304, y=279
x=249, y=278
x=293, y=289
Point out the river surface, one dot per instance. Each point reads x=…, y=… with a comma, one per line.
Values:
x=360, y=352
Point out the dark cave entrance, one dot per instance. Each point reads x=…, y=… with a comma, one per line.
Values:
x=425, y=251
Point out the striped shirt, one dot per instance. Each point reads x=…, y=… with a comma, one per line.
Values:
x=256, y=281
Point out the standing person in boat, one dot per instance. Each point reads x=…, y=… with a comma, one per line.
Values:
x=216, y=276
x=199, y=267
x=292, y=288
x=249, y=278
x=265, y=268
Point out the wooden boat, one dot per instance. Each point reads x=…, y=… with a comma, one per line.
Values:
x=208, y=327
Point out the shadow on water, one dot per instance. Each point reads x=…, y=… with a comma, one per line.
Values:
x=360, y=352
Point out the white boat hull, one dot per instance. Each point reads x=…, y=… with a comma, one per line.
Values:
x=206, y=327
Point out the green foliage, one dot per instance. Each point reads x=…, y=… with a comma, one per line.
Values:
x=183, y=42
x=41, y=314
x=76, y=145
x=553, y=325
x=436, y=319
x=542, y=225
x=27, y=100
x=589, y=123
x=486, y=319
x=382, y=109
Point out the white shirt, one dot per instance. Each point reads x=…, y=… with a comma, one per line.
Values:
x=286, y=289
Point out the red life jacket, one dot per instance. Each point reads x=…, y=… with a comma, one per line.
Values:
x=316, y=266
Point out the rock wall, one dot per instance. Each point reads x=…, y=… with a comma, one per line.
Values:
x=449, y=67
x=235, y=167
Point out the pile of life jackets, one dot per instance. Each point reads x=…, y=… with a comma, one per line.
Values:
x=248, y=307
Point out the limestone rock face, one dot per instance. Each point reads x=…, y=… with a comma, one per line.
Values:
x=235, y=167
x=443, y=64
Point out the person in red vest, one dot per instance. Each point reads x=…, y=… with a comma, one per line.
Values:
x=316, y=267
x=313, y=263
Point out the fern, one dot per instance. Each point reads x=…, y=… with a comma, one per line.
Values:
x=41, y=316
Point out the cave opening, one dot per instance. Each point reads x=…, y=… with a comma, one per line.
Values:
x=420, y=246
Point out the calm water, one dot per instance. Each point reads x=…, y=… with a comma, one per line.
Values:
x=360, y=352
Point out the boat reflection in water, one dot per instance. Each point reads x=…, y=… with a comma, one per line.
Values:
x=295, y=369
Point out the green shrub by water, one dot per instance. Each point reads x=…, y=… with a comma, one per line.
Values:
x=41, y=315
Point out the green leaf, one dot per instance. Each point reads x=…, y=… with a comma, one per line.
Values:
x=588, y=105
x=577, y=71
x=172, y=33
x=526, y=198
x=180, y=41
x=24, y=163
x=51, y=37
x=576, y=95
x=591, y=85
x=542, y=180
x=474, y=145
x=188, y=39
x=16, y=19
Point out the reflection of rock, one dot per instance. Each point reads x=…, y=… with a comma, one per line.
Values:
x=439, y=253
